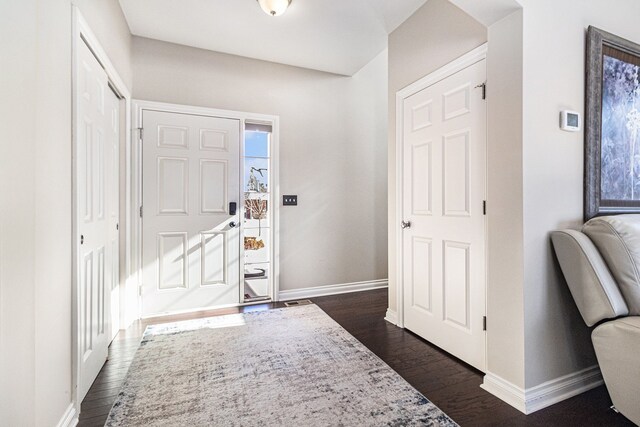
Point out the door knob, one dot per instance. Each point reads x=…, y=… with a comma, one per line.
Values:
x=405, y=224
x=232, y=224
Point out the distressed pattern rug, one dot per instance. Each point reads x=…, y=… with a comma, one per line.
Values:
x=283, y=367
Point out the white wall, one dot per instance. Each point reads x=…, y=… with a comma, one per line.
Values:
x=505, y=258
x=35, y=221
x=332, y=143
x=557, y=342
x=17, y=234
x=52, y=223
x=433, y=36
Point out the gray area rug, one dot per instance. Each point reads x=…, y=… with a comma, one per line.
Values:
x=283, y=367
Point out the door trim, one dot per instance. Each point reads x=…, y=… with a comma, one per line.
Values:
x=138, y=106
x=82, y=33
x=466, y=60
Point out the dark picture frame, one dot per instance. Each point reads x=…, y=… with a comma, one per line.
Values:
x=610, y=64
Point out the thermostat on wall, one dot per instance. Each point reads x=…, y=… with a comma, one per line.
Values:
x=570, y=121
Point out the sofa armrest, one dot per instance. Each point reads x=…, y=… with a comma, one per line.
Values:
x=592, y=286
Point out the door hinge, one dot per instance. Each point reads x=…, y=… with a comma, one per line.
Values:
x=140, y=290
x=483, y=86
x=140, y=211
x=484, y=207
x=484, y=323
x=141, y=133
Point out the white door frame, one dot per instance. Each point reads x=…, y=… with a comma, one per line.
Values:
x=82, y=34
x=138, y=106
x=442, y=73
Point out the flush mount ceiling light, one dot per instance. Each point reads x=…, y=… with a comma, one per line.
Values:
x=274, y=7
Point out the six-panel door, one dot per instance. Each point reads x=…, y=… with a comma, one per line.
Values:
x=444, y=139
x=97, y=183
x=191, y=241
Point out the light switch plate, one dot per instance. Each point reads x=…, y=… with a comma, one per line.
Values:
x=290, y=200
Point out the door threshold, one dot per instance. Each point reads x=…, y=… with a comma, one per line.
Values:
x=254, y=300
x=203, y=309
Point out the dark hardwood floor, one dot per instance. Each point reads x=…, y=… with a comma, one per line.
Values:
x=449, y=383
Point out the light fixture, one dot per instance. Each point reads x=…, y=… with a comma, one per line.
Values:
x=274, y=7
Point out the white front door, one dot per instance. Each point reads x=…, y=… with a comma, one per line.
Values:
x=190, y=236
x=97, y=213
x=444, y=175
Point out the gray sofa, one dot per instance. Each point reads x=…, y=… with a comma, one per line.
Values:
x=601, y=264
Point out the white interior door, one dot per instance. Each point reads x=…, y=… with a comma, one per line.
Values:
x=190, y=237
x=97, y=213
x=444, y=174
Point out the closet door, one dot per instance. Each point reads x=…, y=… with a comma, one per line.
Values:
x=444, y=178
x=97, y=213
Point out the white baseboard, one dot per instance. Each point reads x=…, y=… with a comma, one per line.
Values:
x=391, y=317
x=320, y=291
x=546, y=394
x=505, y=391
x=70, y=417
x=562, y=388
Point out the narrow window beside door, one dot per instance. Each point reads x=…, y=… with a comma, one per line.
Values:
x=256, y=213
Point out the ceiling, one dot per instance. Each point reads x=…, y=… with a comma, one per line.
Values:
x=336, y=36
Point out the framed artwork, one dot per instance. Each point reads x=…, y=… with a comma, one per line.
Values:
x=612, y=130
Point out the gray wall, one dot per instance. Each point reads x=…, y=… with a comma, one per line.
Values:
x=436, y=34
x=35, y=200
x=332, y=150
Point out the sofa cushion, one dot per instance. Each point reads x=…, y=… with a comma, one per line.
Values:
x=618, y=240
